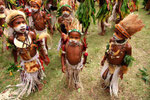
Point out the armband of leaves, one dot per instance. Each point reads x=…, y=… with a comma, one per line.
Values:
x=128, y=60
x=107, y=48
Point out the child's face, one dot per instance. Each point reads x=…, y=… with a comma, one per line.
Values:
x=34, y=6
x=75, y=36
x=119, y=36
x=2, y=7
x=19, y=25
x=65, y=12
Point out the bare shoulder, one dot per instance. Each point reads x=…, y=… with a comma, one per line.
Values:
x=128, y=46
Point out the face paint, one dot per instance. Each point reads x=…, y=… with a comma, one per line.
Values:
x=20, y=28
x=74, y=42
x=49, y=5
x=66, y=14
x=2, y=7
x=34, y=9
x=116, y=37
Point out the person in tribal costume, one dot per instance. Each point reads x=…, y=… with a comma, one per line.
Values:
x=65, y=19
x=51, y=8
x=135, y=5
x=118, y=55
x=2, y=23
x=74, y=56
x=38, y=21
x=26, y=45
x=103, y=14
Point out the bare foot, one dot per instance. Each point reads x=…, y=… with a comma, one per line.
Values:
x=77, y=86
x=101, y=33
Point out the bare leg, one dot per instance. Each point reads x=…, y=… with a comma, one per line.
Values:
x=103, y=29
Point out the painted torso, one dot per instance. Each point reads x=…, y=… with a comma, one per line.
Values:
x=74, y=53
x=39, y=21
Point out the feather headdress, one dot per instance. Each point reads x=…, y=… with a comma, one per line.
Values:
x=130, y=25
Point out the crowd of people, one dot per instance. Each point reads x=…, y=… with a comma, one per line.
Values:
x=26, y=28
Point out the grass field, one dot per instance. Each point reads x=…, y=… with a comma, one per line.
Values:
x=132, y=87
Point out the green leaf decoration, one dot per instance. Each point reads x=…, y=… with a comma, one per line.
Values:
x=128, y=60
x=86, y=13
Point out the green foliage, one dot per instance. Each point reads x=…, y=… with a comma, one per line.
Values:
x=128, y=60
x=124, y=8
x=13, y=68
x=145, y=2
x=107, y=47
x=86, y=12
x=145, y=76
x=103, y=12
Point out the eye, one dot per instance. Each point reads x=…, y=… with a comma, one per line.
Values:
x=18, y=22
x=76, y=37
x=23, y=22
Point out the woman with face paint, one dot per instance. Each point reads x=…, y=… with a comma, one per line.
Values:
x=117, y=56
x=74, y=56
x=28, y=48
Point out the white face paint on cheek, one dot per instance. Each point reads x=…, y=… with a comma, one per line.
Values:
x=34, y=9
x=20, y=28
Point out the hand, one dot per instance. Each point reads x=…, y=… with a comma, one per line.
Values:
x=102, y=62
x=63, y=69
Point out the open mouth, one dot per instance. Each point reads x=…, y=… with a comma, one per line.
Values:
x=23, y=29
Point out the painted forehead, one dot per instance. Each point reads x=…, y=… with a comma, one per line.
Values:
x=75, y=33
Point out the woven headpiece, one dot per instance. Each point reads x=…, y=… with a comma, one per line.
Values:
x=38, y=2
x=75, y=27
x=14, y=14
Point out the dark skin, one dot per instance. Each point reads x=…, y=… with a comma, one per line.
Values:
x=101, y=2
x=124, y=50
x=62, y=20
x=32, y=49
x=2, y=20
x=40, y=19
x=73, y=52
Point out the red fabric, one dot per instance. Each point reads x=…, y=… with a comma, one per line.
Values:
x=42, y=64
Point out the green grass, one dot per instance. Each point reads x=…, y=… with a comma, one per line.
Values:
x=130, y=88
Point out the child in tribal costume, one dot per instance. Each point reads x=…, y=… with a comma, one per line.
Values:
x=64, y=20
x=74, y=56
x=118, y=53
x=38, y=22
x=103, y=14
x=26, y=45
x=2, y=23
x=51, y=8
